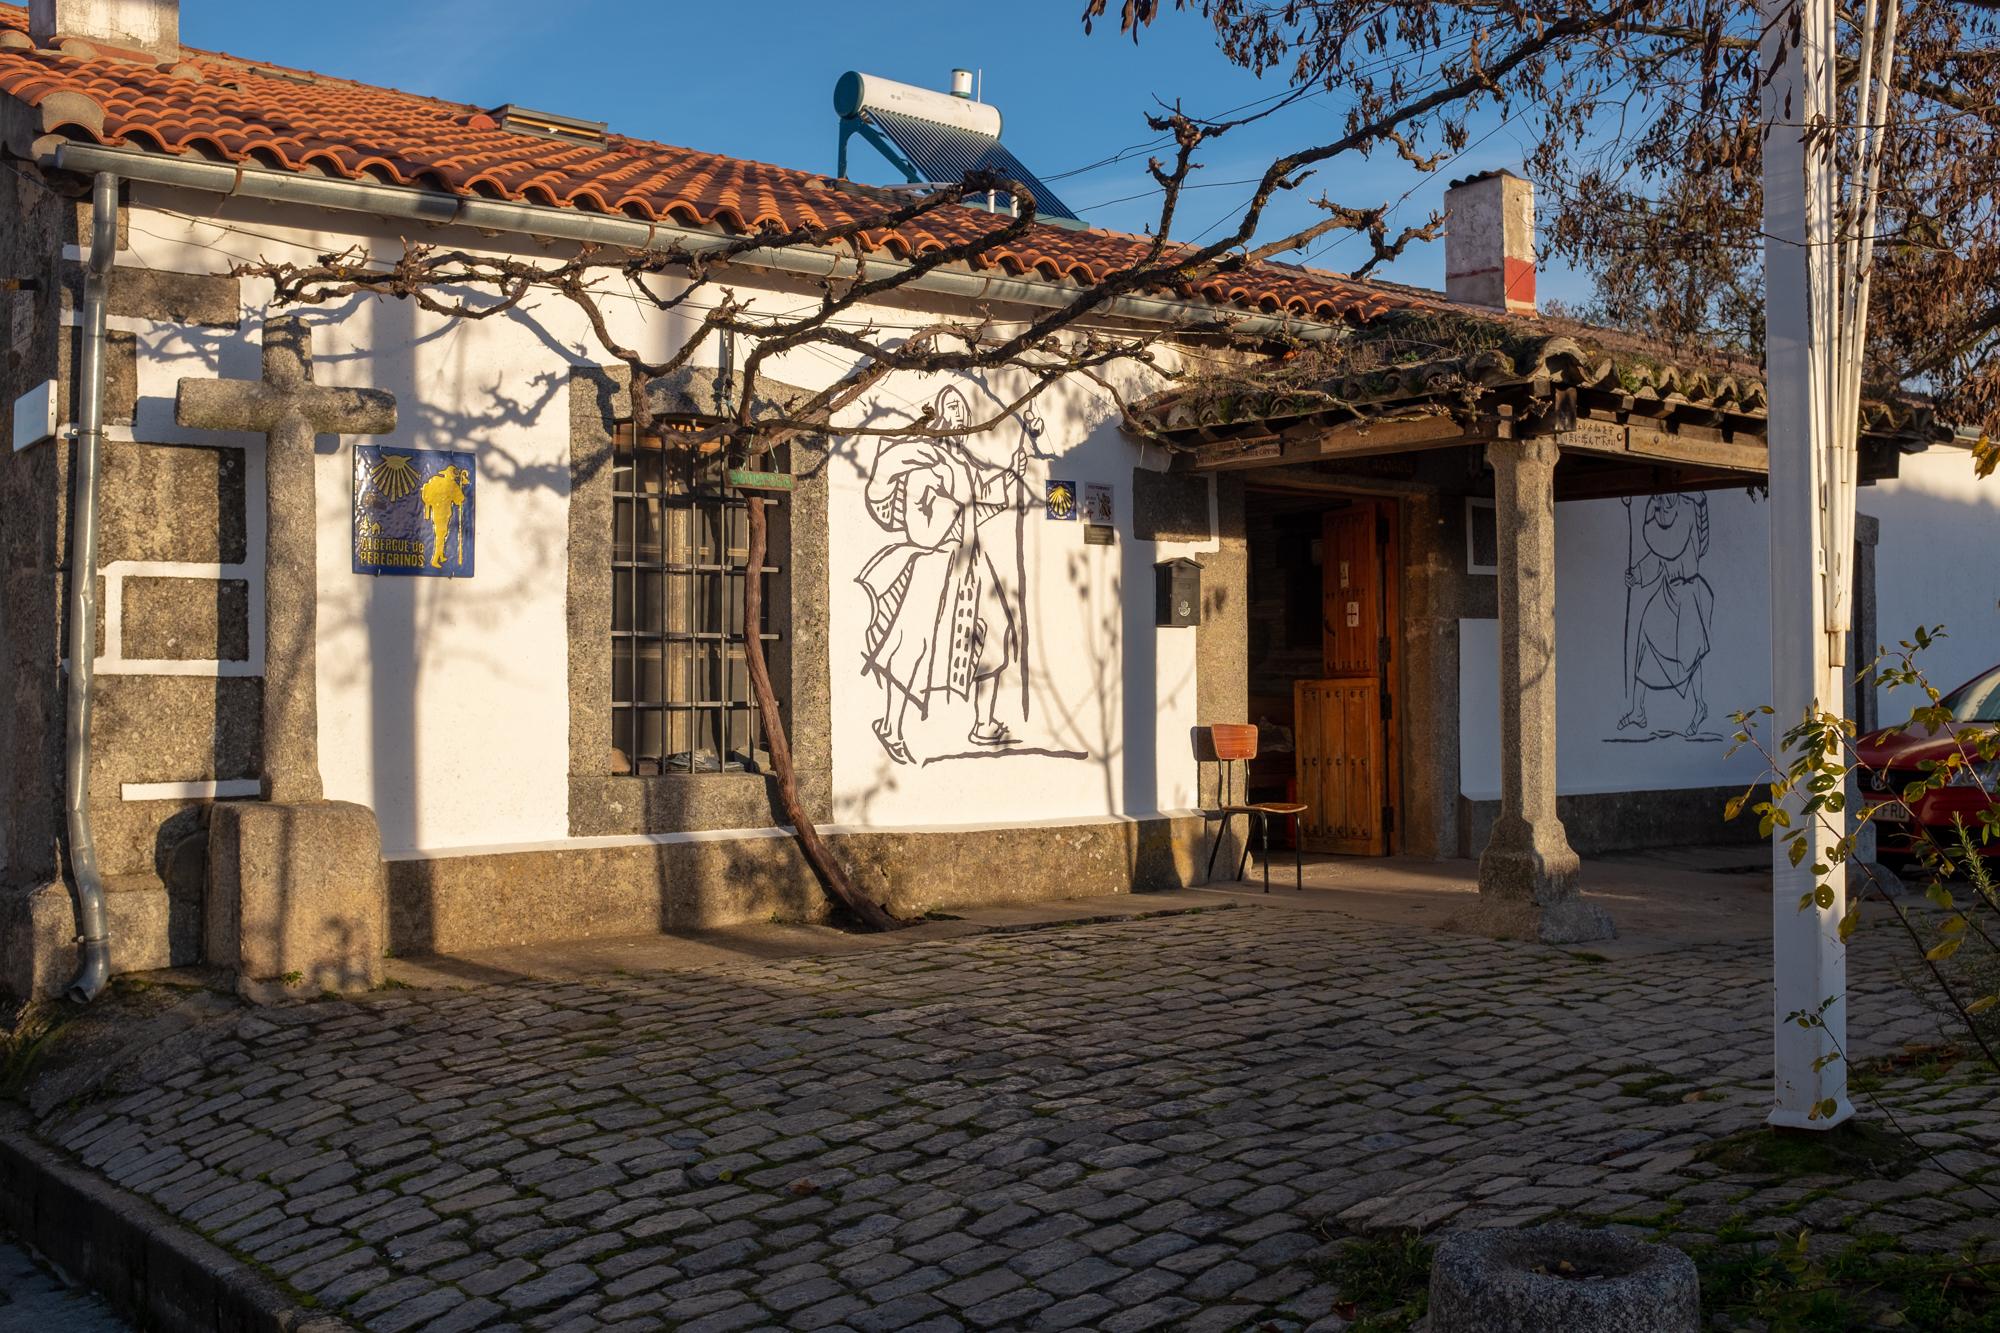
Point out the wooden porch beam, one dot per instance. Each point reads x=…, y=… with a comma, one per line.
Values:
x=1695, y=446
x=1607, y=481
x=1315, y=442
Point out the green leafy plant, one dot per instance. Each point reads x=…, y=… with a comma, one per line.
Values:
x=32, y=1027
x=1810, y=770
x=1784, y=1288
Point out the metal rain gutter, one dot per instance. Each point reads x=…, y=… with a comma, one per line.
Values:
x=443, y=210
x=95, y=964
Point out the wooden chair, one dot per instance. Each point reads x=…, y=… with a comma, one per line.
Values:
x=1230, y=745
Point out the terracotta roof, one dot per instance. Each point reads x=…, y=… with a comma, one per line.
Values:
x=1457, y=378
x=224, y=108
x=1450, y=359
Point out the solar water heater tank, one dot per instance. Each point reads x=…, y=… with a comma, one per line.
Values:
x=937, y=138
x=857, y=92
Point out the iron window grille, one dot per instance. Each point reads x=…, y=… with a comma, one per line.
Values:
x=681, y=699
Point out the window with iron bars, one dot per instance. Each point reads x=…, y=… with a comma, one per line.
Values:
x=681, y=700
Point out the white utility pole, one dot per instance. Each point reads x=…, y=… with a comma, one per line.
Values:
x=1809, y=958
x=1822, y=164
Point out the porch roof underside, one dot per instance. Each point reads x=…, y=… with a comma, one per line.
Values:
x=1628, y=419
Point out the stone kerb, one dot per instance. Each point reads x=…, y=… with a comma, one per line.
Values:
x=1561, y=1279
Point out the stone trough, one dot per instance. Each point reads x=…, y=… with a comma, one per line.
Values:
x=1561, y=1279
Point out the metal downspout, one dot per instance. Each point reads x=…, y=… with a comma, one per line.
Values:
x=90, y=914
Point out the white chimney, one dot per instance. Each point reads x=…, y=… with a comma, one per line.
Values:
x=961, y=83
x=149, y=26
x=1489, y=242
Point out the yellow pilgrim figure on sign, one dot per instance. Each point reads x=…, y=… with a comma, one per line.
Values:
x=444, y=500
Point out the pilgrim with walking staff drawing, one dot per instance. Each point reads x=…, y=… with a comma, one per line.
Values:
x=1667, y=640
x=944, y=596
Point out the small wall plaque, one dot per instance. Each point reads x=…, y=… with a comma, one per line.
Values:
x=1062, y=501
x=413, y=511
x=35, y=416
x=747, y=479
x=1097, y=508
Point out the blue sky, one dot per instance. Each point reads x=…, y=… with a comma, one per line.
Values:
x=758, y=83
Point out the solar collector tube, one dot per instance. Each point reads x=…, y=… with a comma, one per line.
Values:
x=945, y=154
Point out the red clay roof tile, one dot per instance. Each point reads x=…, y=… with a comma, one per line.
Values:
x=219, y=106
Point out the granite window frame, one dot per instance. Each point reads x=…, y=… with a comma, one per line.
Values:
x=602, y=802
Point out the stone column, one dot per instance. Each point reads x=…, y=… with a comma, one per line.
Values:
x=1528, y=873
x=1437, y=594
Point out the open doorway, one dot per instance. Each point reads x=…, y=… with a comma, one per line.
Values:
x=1325, y=625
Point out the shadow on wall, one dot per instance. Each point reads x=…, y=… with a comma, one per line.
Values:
x=401, y=619
x=1105, y=689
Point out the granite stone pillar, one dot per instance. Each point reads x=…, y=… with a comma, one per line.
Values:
x=1528, y=873
x=297, y=893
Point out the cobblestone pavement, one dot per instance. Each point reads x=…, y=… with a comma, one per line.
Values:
x=33, y=1301
x=1153, y=1123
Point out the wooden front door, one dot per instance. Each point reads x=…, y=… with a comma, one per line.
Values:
x=1343, y=722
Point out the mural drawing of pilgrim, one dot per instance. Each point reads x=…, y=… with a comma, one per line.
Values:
x=942, y=618
x=1668, y=639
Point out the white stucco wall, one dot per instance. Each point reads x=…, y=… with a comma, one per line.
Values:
x=441, y=701
x=1938, y=564
x=1096, y=668
x=1940, y=530
x=443, y=704
x=1599, y=620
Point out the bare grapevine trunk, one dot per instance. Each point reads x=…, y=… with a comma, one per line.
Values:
x=831, y=874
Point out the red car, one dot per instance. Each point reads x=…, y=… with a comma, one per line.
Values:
x=1893, y=758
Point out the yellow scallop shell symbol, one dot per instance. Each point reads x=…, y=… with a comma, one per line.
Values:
x=394, y=477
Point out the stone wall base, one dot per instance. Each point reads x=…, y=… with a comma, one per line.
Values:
x=38, y=933
x=295, y=893
x=38, y=954
x=1624, y=821
x=299, y=888
x=450, y=904
x=1566, y=920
